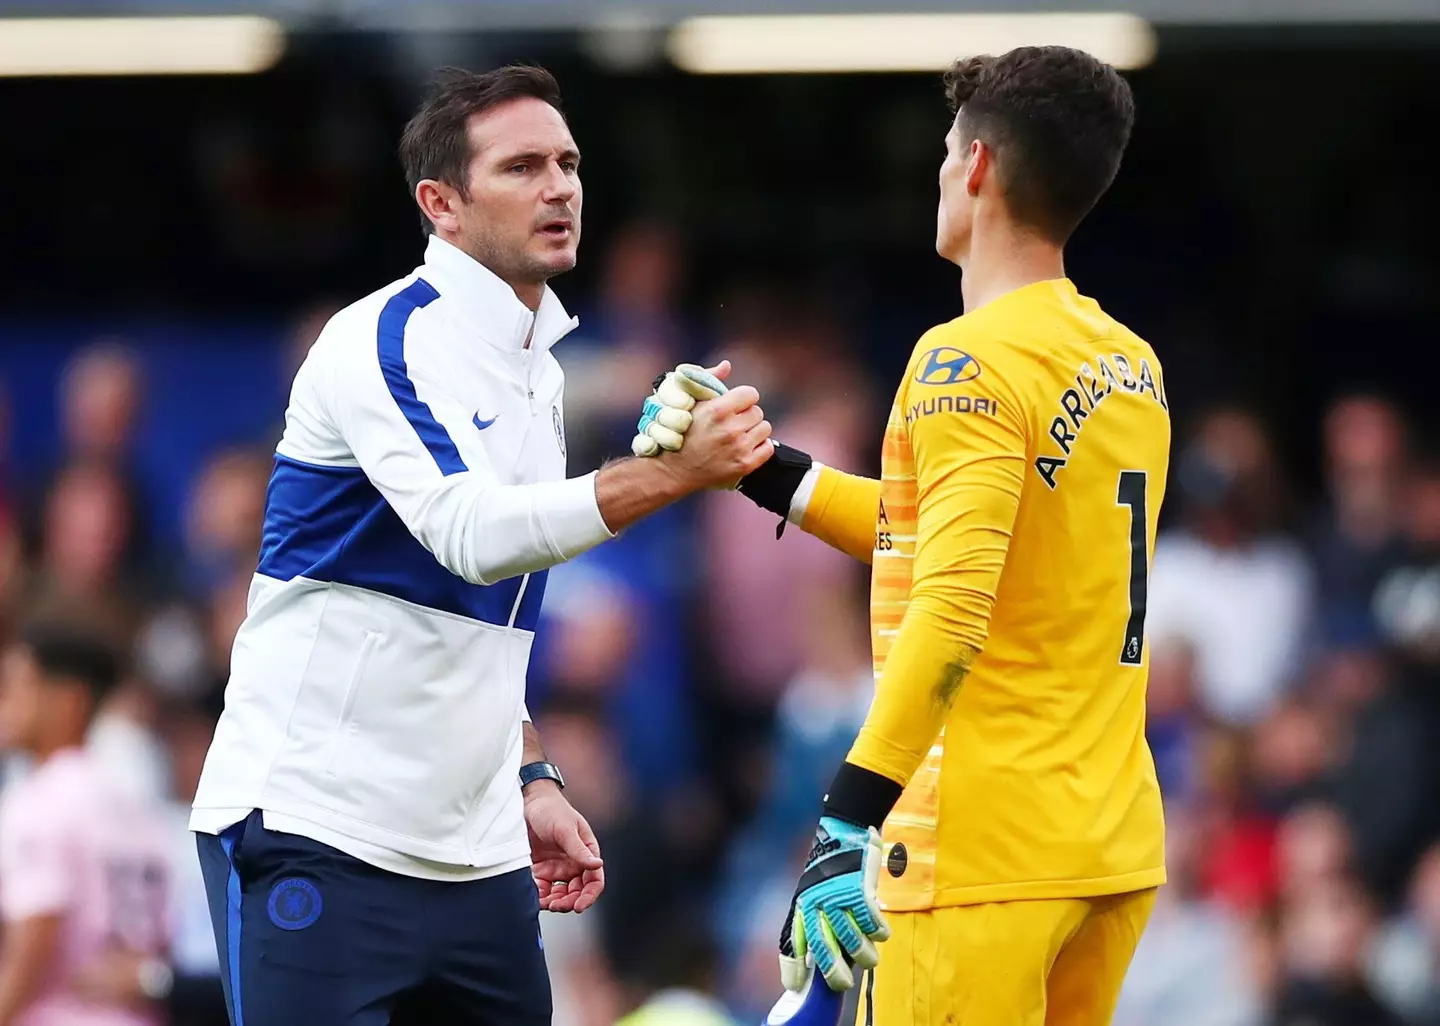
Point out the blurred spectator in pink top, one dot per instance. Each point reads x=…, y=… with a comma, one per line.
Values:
x=84, y=871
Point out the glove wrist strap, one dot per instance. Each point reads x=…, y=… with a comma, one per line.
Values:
x=861, y=796
x=773, y=485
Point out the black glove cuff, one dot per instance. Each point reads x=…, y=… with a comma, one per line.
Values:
x=774, y=484
x=861, y=796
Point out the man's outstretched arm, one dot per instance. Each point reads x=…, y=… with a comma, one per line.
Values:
x=476, y=526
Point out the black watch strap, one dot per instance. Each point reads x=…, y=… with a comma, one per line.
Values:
x=533, y=771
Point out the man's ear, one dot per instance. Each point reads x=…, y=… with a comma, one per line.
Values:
x=977, y=166
x=440, y=203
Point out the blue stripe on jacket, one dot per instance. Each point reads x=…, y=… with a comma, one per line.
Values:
x=331, y=524
x=391, y=346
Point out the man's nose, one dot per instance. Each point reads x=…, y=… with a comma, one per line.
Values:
x=559, y=187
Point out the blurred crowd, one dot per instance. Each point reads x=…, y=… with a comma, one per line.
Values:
x=699, y=680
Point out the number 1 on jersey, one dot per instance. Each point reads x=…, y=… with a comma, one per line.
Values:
x=1132, y=493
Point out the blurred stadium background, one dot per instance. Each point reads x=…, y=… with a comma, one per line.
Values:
x=181, y=213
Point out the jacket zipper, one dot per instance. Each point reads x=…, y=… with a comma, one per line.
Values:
x=526, y=363
x=528, y=356
x=343, y=725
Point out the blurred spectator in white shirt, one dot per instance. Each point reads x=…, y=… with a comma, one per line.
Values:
x=1228, y=582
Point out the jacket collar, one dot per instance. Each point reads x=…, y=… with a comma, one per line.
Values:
x=487, y=305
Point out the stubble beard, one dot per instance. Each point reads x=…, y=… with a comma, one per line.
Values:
x=511, y=263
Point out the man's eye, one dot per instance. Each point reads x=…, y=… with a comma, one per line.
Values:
x=569, y=166
x=521, y=168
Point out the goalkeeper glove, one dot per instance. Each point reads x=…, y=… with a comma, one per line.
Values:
x=666, y=415
x=835, y=919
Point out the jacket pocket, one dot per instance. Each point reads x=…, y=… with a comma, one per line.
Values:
x=345, y=723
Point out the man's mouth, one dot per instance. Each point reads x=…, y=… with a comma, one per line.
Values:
x=558, y=228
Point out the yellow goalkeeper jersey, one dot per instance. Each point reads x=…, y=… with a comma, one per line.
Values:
x=1023, y=469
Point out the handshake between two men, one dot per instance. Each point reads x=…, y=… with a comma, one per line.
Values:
x=667, y=414
x=693, y=402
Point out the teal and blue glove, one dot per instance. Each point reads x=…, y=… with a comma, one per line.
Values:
x=835, y=918
x=666, y=415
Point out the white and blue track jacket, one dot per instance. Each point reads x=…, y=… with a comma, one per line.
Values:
x=418, y=496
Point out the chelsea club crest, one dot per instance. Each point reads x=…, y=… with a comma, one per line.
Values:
x=559, y=428
x=295, y=903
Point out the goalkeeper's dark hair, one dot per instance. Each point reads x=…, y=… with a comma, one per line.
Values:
x=436, y=141
x=1057, y=120
x=68, y=653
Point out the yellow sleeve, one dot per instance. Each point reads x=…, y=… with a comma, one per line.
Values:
x=969, y=468
x=841, y=512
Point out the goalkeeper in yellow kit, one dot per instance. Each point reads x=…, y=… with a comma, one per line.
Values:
x=1004, y=760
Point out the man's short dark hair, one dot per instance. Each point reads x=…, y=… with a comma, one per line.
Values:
x=67, y=652
x=1058, y=121
x=436, y=141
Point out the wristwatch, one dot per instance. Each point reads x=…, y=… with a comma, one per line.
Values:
x=533, y=771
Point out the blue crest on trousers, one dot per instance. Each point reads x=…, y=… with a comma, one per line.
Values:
x=295, y=904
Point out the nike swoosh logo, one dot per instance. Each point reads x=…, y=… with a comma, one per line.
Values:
x=481, y=425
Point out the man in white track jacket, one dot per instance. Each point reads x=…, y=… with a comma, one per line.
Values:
x=378, y=824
